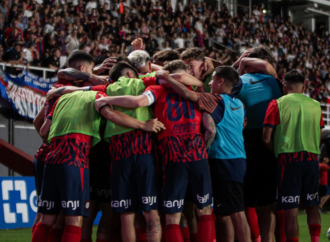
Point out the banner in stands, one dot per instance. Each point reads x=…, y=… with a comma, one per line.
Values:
x=18, y=207
x=26, y=92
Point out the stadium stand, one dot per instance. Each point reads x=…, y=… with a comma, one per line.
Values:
x=109, y=27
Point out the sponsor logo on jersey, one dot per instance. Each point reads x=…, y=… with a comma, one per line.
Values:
x=203, y=199
x=255, y=82
x=47, y=204
x=149, y=200
x=234, y=109
x=183, y=128
x=173, y=204
x=103, y=193
x=121, y=204
x=70, y=204
x=290, y=199
x=313, y=196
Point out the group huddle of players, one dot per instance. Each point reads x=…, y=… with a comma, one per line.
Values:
x=153, y=145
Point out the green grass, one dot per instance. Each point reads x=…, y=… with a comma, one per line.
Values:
x=24, y=235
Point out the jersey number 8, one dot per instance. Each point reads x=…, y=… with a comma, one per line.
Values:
x=177, y=109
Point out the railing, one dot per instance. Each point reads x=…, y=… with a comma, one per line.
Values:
x=326, y=114
x=43, y=69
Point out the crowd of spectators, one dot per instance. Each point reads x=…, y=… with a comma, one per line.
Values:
x=45, y=32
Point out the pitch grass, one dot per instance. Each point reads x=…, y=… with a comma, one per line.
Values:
x=24, y=235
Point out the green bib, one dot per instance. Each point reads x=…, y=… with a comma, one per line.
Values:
x=75, y=113
x=151, y=74
x=207, y=80
x=299, y=129
x=127, y=86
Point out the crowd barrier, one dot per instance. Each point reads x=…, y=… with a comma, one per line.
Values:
x=18, y=203
x=36, y=68
x=326, y=115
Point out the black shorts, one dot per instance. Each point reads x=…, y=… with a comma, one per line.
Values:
x=100, y=182
x=297, y=180
x=178, y=177
x=323, y=190
x=64, y=188
x=134, y=181
x=228, y=195
x=260, y=178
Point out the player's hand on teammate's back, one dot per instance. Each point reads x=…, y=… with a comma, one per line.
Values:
x=98, y=80
x=107, y=64
x=153, y=125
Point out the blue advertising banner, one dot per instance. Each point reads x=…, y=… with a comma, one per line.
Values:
x=26, y=92
x=18, y=206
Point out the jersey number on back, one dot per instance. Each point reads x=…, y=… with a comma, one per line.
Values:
x=177, y=112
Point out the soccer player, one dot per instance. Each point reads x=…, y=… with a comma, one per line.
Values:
x=323, y=184
x=66, y=165
x=184, y=153
x=200, y=66
x=165, y=55
x=256, y=90
x=295, y=122
x=38, y=160
x=224, y=119
x=99, y=177
x=140, y=60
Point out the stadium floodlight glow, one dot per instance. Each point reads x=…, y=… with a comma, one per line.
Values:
x=264, y=11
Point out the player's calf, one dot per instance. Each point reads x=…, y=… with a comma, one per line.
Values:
x=172, y=228
x=42, y=228
x=154, y=229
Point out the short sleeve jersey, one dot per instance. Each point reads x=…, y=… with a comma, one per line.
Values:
x=272, y=118
x=70, y=149
x=323, y=174
x=229, y=169
x=182, y=139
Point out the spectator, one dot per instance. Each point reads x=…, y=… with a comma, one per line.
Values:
x=3, y=10
x=105, y=44
x=13, y=54
x=28, y=52
x=72, y=42
x=53, y=61
x=178, y=40
x=92, y=4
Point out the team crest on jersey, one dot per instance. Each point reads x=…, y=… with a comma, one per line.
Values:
x=183, y=128
x=203, y=199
